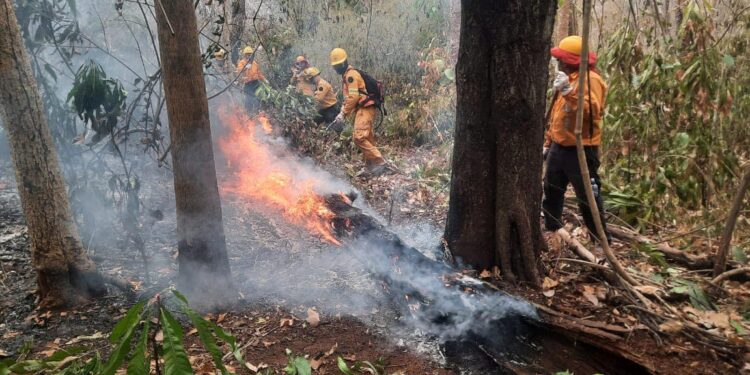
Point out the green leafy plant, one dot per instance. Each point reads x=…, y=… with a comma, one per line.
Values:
x=297, y=365
x=698, y=298
x=137, y=325
x=376, y=368
x=97, y=99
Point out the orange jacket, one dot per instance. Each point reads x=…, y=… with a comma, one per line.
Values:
x=562, y=121
x=250, y=74
x=354, y=90
x=305, y=88
x=325, y=97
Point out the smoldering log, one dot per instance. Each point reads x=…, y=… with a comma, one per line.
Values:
x=482, y=327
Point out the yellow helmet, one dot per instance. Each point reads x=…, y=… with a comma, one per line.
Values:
x=572, y=44
x=220, y=54
x=338, y=55
x=311, y=72
x=247, y=51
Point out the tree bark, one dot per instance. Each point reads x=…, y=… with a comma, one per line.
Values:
x=235, y=19
x=65, y=274
x=493, y=217
x=202, y=255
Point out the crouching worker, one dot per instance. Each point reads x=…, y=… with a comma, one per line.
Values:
x=362, y=108
x=250, y=78
x=324, y=96
x=560, y=140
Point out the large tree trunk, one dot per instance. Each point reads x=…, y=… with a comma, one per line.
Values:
x=65, y=274
x=493, y=217
x=235, y=15
x=202, y=255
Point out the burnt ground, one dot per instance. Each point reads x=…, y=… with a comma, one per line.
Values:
x=281, y=271
x=418, y=193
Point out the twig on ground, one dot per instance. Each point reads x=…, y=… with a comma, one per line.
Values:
x=580, y=250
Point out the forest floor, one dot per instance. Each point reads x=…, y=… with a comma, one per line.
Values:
x=283, y=272
x=418, y=193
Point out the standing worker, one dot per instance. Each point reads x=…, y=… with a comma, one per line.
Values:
x=250, y=78
x=560, y=140
x=325, y=97
x=363, y=107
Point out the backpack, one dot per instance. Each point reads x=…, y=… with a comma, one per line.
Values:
x=375, y=91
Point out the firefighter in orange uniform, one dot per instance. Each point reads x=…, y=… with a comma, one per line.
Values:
x=250, y=78
x=362, y=108
x=325, y=97
x=560, y=140
x=298, y=76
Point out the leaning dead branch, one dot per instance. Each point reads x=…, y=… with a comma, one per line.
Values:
x=582, y=74
x=726, y=237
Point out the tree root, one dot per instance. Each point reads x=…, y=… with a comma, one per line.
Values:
x=725, y=275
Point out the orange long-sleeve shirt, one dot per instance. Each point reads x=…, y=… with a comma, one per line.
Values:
x=354, y=89
x=325, y=97
x=250, y=74
x=563, y=116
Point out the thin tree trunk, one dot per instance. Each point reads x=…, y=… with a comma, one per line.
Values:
x=726, y=237
x=235, y=20
x=202, y=255
x=65, y=274
x=493, y=217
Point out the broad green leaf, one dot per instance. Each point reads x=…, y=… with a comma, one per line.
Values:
x=738, y=327
x=204, y=333
x=343, y=367
x=699, y=299
x=729, y=61
x=123, y=338
x=175, y=358
x=139, y=364
x=302, y=366
x=130, y=320
x=739, y=255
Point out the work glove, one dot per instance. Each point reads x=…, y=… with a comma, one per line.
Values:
x=339, y=117
x=562, y=83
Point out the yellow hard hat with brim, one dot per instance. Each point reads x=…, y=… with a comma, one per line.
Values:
x=338, y=56
x=248, y=50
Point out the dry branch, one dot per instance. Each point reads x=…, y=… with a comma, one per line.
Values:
x=730, y=273
x=573, y=243
x=678, y=256
x=582, y=74
x=726, y=237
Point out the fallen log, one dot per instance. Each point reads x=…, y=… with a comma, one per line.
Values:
x=481, y=326
x=678, y=256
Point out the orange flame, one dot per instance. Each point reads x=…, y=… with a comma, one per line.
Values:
x=259, y=176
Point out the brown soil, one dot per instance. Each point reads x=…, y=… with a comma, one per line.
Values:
x=266, y=341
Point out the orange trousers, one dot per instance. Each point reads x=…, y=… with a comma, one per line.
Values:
x=364, y=136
